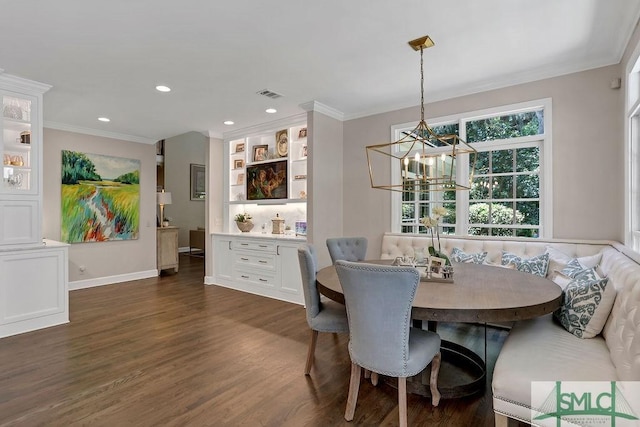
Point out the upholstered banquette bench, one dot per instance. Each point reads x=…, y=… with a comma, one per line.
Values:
x=541, y=349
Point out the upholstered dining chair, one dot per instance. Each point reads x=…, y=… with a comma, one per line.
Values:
x=347, y=248
x=322, y=316
x=381, y=339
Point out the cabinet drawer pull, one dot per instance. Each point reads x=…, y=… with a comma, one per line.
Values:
x=263, y=280
x=262, y=262
x=244, y=259
x=244, y=244
x=244, y=277
x=263, y=246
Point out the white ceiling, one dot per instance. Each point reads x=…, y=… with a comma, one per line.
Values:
x=105, y=58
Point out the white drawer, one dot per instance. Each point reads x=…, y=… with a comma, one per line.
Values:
x=265, y=280
x=255, y=245
x=262, y=261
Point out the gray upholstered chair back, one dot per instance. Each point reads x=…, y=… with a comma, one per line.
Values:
x=347, y=248
x=378, y=300
x=308, y=265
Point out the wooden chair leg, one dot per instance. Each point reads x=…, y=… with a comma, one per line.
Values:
x=433, y=381
x=374, y=378
x=311, y=351
x=354, y=386
x=501, y=420
x=402, y=401
x=367, y=374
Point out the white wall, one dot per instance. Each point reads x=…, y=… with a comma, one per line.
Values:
x=588, y=173
x=179, y=153
x=104, y=262
x=326, y=184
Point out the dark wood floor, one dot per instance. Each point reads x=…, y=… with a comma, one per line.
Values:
x=171, y=351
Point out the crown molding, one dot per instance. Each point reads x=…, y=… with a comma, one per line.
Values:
x=96, y=132
x=16, y=83
x=324, y=109
x=265, y=127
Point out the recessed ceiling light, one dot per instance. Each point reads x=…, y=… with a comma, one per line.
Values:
x=104, y=119
x=228, y=122
x=162, y=88
x=271, y=110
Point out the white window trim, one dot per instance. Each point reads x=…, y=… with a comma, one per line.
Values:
x=631, y=153
x=546, y=154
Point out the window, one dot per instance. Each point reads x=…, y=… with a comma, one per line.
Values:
x=632, y=154
x=507, y=195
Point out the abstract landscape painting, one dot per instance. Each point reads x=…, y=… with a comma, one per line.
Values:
x=100, y=197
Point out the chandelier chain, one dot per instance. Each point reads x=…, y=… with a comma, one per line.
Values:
x=421, y=87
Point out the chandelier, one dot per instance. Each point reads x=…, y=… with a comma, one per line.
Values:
x=427, y=160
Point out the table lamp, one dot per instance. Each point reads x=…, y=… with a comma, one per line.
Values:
x=163, y=199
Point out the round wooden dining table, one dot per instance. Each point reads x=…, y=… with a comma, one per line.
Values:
x=478, y=294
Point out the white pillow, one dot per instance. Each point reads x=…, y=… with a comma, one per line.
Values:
x=559, y=260
x=586, y=303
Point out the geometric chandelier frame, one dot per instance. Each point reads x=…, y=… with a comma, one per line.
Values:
x=427, y=160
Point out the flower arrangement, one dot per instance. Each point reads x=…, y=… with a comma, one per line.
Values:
x=431, y=223
x=242, y=217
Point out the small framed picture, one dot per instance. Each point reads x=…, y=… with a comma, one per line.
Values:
x=282, y=143
x=260, y=153
x=302, y=133
x=303, y=152
x=238, y=164
x=240, y=179
x=300, y=177
x=435, y=266
x=240, y=147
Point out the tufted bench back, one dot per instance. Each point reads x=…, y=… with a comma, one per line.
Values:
x=622, y=330
x=395, y=245
x=619, y=264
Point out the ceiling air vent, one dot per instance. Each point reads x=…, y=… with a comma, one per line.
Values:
x=269, y=93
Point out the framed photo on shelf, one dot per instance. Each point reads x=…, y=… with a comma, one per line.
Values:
x=282, y=143
x=303, y=151
x=240, y=179
x=197, y=182
x=260, y=153
x=302, y=133
x=238, y=164
x=240, y=147
x=300, y=177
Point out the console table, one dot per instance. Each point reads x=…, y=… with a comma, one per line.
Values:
x=167, y=248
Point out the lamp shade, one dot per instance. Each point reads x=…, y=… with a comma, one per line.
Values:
x=163, y=198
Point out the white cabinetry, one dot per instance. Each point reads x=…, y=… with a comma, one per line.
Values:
x=259, y=264
x=21, y=147
x=33, y=273
x=266, y=173
x=33, y=288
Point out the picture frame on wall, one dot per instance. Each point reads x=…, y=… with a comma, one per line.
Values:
x=240, y=179
x=238, y=164
x=197, y=182
x=260, y=152
x=240, y=147
x=302, y=133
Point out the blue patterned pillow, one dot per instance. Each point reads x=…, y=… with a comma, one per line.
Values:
x=574, y=268
x=458, y=255
x=586, y=304
x=537, y=265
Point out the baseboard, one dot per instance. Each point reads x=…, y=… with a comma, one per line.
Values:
x=209, y=280
x=110, y=280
